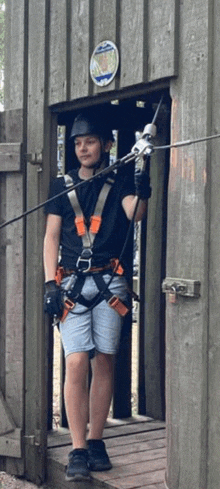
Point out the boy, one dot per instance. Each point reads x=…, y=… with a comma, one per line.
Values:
x=90, y=246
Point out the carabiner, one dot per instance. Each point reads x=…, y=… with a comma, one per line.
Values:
x=84, y=261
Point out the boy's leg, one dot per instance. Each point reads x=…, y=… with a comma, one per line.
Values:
x=76, y=396
x=100, y=393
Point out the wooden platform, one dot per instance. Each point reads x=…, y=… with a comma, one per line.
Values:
x=137, y=449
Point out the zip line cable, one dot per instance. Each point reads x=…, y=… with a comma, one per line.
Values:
x=118, y=163
x=187, y=142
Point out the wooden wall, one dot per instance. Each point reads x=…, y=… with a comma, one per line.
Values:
x=11, y=294
x=213, y=359
x=193, y=342
x=49, y=44
x=146, y=53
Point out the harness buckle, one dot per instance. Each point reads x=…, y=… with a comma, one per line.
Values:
x=80, y=225
x=95, y=224
x=68, y=306
x=118, y=305
x=83, y=263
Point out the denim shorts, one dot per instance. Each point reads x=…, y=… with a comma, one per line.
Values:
x=98, y=329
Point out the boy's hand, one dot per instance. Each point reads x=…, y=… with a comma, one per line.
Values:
x=53, y=303
x=142, y=184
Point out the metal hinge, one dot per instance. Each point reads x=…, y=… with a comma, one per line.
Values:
x=182, y=287
x=34, y=440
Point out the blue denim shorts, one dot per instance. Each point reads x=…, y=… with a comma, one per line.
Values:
x=98, y=329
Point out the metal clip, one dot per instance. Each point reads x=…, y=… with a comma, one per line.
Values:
x=84, y=261
x=143, y=147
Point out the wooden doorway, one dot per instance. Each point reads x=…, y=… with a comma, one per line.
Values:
x=128, y=117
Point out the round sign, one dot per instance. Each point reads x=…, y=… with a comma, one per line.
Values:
x=104, y=63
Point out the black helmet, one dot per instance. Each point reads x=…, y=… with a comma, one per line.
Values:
x=87, y=125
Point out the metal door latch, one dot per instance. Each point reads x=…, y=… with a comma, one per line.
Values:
x=34, y=440
x=181, y=287
x=35, y=159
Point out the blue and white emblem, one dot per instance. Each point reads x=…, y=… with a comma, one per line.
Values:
x=104, y=63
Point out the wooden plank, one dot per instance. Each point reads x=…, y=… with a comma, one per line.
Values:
x=138, y=447
x=120, y=471
x=3, y=241
x=11, y=126
x=38, y=132
x=14, y=311
x=213, y=475
x=80, y=48
x=58, y=47
x=10, y=444
x=136, y=481
x=131, y=429
x=154, y=336
x=6, y=422
x=10, y=157
x=14, y=299
x=154, y=486
x=14, y=54
x=113, y=442
x=127, y=454
x=133, y=42
x=162, y=39
x=104, y=28
x=137, y=456
x=187, y=326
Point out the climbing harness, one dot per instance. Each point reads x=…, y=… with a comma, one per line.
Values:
x=73, y=288
x=88, y=235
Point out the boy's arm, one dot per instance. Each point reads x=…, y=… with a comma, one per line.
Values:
x=51, y=246
x=142, y=191
x=129, y=203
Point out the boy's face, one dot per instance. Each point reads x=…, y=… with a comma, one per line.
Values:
x=88, y=150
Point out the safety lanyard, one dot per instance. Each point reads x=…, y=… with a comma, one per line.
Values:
x=87, y=235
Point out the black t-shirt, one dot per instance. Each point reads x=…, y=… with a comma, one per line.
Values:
x=110, y=239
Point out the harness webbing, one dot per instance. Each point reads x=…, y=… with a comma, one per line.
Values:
x=73, y=294
x=88, y=235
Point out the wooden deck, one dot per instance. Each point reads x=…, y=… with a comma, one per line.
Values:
x=136, y=446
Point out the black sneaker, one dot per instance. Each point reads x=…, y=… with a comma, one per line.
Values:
x=77, y=468
x=98, y=457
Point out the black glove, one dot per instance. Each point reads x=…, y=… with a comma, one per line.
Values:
x=53, y=303
x=142, y=184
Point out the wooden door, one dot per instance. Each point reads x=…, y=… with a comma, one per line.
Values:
x=11, y=307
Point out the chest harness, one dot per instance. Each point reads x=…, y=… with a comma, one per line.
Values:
x=73, y=288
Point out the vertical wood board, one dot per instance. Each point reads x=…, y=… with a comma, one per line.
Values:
x=162, y=38
x=214, y=257
x=11, y=126
x=12, y=292
x=80, y=48
x=10, y=157
x=14, y=54
x=133, y=42
x=35, y=407
x=58, y=47
x=36, y=75
x=3, y=245
x=14, y=299
x=104, y=28
x=154, y=332
x=186, y=257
